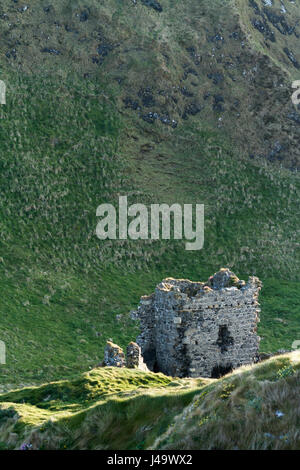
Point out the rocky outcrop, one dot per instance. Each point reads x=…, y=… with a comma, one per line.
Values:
x=153, y=4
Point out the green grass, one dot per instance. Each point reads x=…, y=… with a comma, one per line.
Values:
x=280, y=321
x=110, y=408
x=92, y=386
x=107, y=397
x=255, y=408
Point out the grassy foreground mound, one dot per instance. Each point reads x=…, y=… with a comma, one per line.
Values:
x=255, y=407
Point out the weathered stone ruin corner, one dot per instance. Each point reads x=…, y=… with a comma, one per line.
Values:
x=114, y=356
x=196, y=329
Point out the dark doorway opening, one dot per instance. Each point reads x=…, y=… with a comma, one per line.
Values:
x=220, y=370
x=150, y=360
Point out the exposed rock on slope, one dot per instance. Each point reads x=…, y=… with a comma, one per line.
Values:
x=229, y=65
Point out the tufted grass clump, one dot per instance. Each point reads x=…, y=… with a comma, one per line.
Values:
x=244, y=410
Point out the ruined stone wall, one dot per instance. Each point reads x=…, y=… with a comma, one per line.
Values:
x=134, y=358
x=192, y=329
x=114, y=357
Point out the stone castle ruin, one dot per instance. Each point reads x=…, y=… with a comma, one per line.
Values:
x=197, y=329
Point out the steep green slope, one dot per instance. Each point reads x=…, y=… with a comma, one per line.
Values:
x=79, y=128
x=229, y=64
x=256, y=407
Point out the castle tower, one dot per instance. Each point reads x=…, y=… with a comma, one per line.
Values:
x=193, y=329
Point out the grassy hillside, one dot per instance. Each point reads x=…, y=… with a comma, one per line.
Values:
x=254, y=408
x=79, y=128
x=228, y=64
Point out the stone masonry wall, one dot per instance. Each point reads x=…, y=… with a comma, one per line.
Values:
x=192, y=329
x=114, y=357
x=134, y=358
